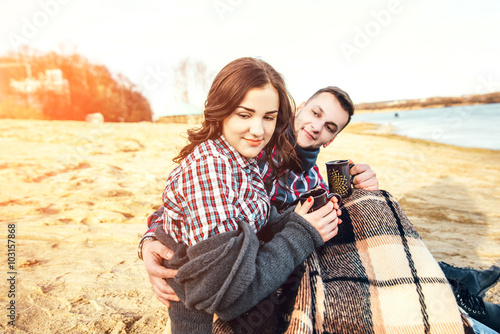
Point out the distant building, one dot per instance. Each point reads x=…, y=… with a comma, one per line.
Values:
x=50, y=80
x=18, y=84
x=181, y=113
x=9, y=72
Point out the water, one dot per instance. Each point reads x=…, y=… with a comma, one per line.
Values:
x=467, y=126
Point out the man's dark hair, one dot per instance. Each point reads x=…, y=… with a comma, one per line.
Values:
x=343, y=98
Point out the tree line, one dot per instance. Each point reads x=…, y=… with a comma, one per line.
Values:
x=432, y=102
x=89, y=88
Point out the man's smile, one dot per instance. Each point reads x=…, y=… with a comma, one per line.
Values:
x=309, y=135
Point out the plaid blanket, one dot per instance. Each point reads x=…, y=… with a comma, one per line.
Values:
x=375, y=276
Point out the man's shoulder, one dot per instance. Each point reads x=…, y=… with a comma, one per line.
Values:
x=314, y=170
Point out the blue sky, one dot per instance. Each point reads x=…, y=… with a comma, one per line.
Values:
x=376, y=50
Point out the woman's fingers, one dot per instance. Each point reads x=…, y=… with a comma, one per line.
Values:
x=303, y=208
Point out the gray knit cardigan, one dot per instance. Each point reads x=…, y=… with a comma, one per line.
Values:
x=229, y=273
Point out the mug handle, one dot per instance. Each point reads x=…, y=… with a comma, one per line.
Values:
x=339, y=198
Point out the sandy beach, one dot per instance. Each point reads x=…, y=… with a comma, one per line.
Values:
x=79, y=194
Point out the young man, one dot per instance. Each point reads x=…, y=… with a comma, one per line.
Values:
x=317, y=123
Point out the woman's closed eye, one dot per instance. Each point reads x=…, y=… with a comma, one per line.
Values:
x=244, y=115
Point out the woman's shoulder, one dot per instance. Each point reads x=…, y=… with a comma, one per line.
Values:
x=205, y=152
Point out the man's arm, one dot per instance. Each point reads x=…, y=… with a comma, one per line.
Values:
x=152, y=252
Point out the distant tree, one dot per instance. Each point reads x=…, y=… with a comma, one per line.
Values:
x=91, y=88
x=191, y=79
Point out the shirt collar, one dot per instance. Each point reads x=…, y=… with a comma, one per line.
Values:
x=231, y=152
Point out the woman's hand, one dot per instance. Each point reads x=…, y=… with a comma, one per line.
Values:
x=325, y=219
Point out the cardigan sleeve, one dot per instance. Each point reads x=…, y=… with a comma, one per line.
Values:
x=229, y=273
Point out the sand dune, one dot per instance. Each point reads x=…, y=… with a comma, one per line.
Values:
x=79, y=195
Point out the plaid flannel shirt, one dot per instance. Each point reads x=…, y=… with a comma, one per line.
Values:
x=209, y=192
x=298, y=182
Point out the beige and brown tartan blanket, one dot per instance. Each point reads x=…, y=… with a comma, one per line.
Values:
x=375, y=276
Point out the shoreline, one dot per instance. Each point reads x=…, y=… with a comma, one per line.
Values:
x=389, y=130
x=434, y=106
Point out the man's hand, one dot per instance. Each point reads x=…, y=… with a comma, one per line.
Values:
x=152, y=254
x=365, y=177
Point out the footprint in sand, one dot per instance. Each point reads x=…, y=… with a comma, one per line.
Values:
x=118, y=193
x=51, y=209
x=29, y=263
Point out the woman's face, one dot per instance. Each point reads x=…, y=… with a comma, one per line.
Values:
x=251, y=125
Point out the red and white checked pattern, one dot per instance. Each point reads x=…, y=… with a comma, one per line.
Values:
x=210, y=191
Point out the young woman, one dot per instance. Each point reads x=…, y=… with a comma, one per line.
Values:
x=215, y=202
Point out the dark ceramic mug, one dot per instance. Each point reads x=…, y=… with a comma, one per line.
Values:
x=320, y=196
x=339, y=178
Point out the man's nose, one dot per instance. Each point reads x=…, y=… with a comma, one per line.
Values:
x=316, y=126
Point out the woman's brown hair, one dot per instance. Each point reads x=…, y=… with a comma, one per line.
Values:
x=227, y=91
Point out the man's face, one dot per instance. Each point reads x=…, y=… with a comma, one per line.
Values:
x=318, y=122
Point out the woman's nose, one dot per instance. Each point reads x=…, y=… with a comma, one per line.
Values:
x=257, y=129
